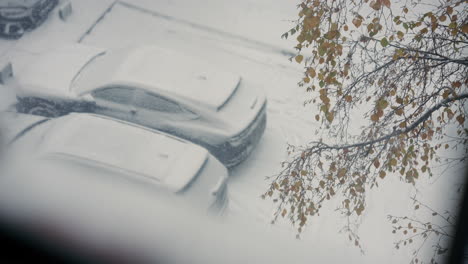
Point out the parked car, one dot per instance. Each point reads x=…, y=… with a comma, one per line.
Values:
x=150, y=86
x=17, y=16
x=113, y=147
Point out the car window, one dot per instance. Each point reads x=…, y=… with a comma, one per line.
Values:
x=118, y=95
x=156, y=103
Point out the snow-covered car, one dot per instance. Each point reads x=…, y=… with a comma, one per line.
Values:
x=28, y=13
x=108, y=146
x=153, y=87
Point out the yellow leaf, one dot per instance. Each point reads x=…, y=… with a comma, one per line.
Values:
x=311, y=72
x=299, y=58
x=382, y=104
x=311, y=22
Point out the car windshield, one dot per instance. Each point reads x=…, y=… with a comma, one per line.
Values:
x=96, y=72
x=87, y=69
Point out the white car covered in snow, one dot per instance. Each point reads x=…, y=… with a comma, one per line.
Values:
x=152, y=87
x=106, y=146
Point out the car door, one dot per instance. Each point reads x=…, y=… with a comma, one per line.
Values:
x=115, y=102
x=161, y=113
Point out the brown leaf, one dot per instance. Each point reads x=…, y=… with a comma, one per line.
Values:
x=382, y=174
x=386, y=3
x=464, y=28
x=376, y=5
x=461, y=119
x=376, y=163
x=357, y=21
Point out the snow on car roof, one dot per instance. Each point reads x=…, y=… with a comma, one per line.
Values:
x=172, y=73
x=114, y=143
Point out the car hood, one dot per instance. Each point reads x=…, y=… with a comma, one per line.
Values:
x=165, y=72
x=53, y=72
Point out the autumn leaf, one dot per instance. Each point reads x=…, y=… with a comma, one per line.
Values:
x=384, y=42
x=464, y=28
x=311, y=22
x=299, y=58
x=461, y=119
x=382, y=174
x=386, y=3
x=311, y=72
x=376, y=5
x=376, y=163
x=382, y=104
x=357, y=21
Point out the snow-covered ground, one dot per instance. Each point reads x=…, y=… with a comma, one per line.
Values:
x=242, y=36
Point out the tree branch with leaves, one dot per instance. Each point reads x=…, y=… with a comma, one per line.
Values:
x=397, y=68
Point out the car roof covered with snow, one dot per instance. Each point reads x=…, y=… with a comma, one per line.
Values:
x=115, y=144
x=161, y=71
